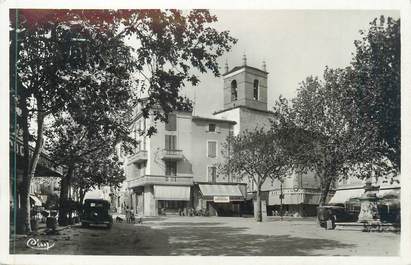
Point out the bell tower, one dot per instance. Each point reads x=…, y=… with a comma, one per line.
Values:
x=245, y=86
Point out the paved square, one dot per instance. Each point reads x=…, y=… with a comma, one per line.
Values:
x=218, y=236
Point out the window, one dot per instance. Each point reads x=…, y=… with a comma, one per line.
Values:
x=211, y=127
x=233, y=90
x=171, y=124
x=255, y=89
x=141, y=169
x=212, y=149
x=171, y=168
x=212, y=174
x=170, y=142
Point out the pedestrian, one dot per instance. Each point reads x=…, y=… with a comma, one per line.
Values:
x=132, y=217
x=127, y=215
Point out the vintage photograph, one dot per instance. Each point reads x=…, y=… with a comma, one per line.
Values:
x=196, y=132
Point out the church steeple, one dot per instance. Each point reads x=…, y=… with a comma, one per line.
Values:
x=245, y=86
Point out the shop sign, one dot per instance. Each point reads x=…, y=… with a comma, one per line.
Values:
x=221, y=199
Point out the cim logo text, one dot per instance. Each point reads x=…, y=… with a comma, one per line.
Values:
x=39, y=244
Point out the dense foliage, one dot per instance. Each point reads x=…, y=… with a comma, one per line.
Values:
x=77, y=68
x=348, y=123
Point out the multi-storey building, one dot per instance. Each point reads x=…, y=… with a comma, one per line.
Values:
x=177, y=168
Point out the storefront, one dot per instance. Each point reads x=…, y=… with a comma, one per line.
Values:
x=222, y=199
x=172, y=199
x=45, y=168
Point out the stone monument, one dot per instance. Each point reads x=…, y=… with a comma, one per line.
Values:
x=369, y=205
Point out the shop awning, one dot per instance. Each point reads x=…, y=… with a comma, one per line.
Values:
x=36, y=200
x=219, y=192
x=172, y=193
x=342, y=196
x=389, y=193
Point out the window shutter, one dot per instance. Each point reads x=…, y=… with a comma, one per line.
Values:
x=211, y=149
x=171, y=122
x=167, y=143
x=170, y=142
x=173, y=142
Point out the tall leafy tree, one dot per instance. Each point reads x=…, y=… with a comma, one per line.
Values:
x=376, y=85
x=347, y=124
x=77, y=62
x=255, y=156
x=64, y=61
x=317, y=126
x=83, y=150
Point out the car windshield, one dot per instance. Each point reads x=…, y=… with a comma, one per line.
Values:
x=93, y=204
x=96, y=204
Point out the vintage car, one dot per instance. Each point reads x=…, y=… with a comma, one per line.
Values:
x=334, y=213
x=389, y=209
x=96, y=212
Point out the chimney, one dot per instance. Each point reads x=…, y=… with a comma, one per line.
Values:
x=244, y=60
x=264, y=67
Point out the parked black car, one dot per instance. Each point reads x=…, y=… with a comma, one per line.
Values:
x=389, y=210
x=96, y=212
x=334, y=213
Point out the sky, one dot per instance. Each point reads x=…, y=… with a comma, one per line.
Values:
x=294, y=43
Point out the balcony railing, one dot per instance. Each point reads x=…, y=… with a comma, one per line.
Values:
x=172, y=154
x=138, y=157
x=160, y=179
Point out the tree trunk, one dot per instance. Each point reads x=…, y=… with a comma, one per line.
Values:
x=259, y=217
x=30, y=165
x=23, y=224
x=325, y=188
x=65, y=183
x=82, y=194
